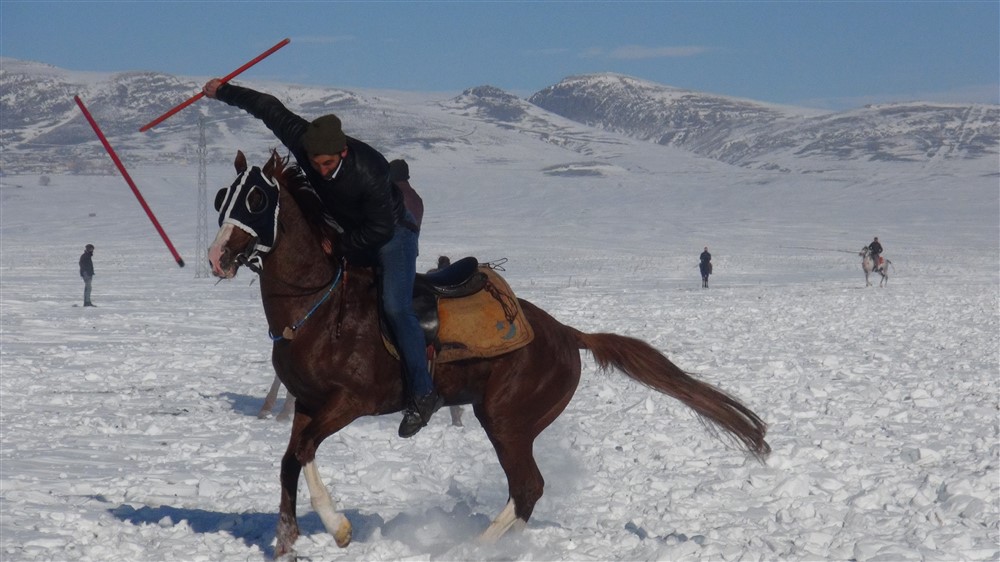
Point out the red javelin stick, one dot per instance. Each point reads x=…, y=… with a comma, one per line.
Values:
x=225, y=79
x=128, y=179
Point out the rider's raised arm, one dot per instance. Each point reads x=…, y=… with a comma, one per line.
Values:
x=285, y=124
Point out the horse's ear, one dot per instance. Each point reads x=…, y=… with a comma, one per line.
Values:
x=241, y=162
x=271, y=164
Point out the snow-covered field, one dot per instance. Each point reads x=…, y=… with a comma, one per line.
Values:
x=129, y=431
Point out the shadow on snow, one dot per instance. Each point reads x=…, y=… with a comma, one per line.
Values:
x=435, y=531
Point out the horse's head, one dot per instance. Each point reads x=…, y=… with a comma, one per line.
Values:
x=248, y=217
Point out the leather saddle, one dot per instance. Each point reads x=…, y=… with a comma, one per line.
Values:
x=466, y=310
x=460, y=279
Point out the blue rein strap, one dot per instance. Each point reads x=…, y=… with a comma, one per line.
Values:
x=289, y=332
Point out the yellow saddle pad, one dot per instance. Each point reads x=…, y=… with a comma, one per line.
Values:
x=485, y=324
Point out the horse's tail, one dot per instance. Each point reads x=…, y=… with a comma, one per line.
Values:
x=644, y=364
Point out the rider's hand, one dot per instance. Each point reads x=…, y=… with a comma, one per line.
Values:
x=211, y=87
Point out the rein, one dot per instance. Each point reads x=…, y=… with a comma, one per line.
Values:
x=289, y=332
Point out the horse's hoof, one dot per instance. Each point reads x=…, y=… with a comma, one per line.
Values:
x=343, y=534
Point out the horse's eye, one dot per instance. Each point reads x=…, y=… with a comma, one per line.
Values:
x=220, y=197
x=256, y=200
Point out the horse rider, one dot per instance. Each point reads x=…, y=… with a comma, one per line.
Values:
x=876, y=249
x=359, y=199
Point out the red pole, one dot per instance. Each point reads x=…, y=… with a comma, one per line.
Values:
x=225, y=79
x=128, y=179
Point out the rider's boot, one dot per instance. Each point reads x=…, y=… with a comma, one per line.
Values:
x=419, y=412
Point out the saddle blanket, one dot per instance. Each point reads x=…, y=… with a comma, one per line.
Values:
x=484, y=324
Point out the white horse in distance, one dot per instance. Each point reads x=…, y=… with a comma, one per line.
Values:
x=868, y=264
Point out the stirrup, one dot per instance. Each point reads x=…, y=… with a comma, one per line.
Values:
x=416, y=416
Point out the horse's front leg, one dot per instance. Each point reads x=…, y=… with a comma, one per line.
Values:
x=336, y=524
x=288, y=525
x=334, y=415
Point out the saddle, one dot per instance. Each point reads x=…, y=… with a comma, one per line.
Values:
x=466, y=310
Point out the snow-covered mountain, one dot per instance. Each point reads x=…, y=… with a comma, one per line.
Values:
x=591, y=116
x=749, y=133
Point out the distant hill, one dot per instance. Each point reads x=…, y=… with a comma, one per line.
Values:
x=748, y=133
x=590, y=117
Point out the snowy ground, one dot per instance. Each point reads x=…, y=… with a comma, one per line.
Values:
x=129, y=431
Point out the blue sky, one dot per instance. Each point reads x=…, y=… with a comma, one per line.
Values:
x=833, y=55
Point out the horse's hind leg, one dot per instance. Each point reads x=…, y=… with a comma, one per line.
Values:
x=456, y=416
x=270, y=399
x=504, y=522
x=529, y=390
x=524, y=482
x=288, y=408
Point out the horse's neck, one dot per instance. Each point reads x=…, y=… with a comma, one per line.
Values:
x=298, y=274
x=297, y=260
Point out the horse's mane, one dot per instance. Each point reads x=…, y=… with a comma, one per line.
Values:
x=294, y=180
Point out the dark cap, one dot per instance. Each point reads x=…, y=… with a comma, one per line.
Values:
x=88, y=247
x=324, y=136
x=399, y=170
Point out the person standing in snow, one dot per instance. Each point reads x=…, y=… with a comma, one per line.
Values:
x=705, y=266
x=87, y=272
x=352, y=180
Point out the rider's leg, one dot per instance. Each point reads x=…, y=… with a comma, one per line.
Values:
x=398, y=259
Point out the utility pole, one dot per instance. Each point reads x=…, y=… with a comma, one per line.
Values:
x=201, y=270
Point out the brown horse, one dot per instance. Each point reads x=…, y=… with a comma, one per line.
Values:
x=322, y=314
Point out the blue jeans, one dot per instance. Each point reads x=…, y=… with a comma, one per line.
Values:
x=398, y=260
x=86, y=288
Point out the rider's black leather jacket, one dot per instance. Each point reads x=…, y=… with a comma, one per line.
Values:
x=360, y=199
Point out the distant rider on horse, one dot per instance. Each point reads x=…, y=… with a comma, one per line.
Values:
x=876, y=249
